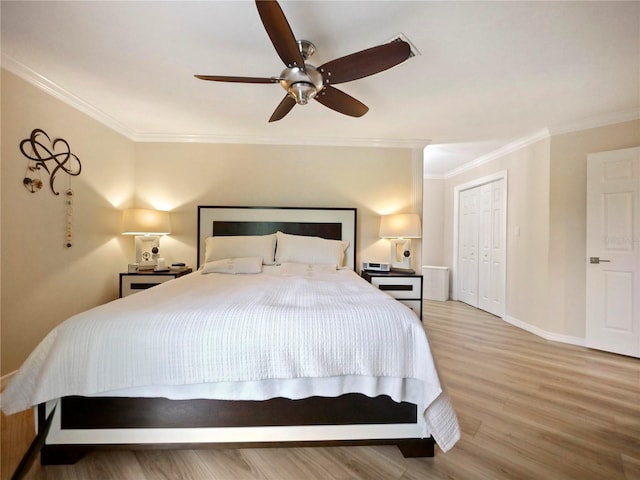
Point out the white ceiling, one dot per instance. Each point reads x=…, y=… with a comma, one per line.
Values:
x=488, y=73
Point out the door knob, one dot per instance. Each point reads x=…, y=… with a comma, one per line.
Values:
x=596, y=260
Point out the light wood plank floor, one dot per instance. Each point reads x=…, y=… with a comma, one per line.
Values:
x=528, y=409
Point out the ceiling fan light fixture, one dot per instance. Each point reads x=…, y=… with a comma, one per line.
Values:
x=302, y=92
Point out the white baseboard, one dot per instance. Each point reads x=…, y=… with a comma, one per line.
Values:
x=555, y=337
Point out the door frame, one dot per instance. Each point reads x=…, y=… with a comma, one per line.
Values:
x=501, y=175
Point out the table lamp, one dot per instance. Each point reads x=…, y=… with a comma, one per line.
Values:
x=147, y=225
x=400, y=229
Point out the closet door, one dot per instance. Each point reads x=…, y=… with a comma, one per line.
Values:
x=481, y=246
x=492, y=249
x=468, y=246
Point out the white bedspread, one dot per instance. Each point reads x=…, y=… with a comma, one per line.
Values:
x=252, y=331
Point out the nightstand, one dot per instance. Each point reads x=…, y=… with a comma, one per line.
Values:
x=131, y=283
x=405, y=287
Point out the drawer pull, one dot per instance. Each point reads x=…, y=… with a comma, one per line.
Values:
x=142, y=286
x=396, y=287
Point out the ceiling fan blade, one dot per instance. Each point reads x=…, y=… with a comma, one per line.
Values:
x=364, y=63
x=222, y=78
x=282, y=109
x=280, y=33
x=341, y=102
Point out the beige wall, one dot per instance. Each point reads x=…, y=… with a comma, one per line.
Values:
x=182, y=176
x=44, y=282
x=433, y=222
x=546, y=271
x=49, y=283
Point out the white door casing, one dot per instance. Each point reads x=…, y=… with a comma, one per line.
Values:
x=613, y=251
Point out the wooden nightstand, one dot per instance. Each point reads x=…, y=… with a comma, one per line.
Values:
x=405, y=287
x=131, y=283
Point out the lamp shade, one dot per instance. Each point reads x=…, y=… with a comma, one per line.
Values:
x=139, y=221
x=401, y=225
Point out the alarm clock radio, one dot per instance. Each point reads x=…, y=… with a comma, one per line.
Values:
x=376, y=267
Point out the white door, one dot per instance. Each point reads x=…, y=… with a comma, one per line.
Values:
x=613, y=251
x=468, y=246
x=492, y=248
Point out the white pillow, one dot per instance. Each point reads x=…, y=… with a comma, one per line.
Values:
x=234, y=265
x=314, y=250
x=219, y=248
x=307, y=269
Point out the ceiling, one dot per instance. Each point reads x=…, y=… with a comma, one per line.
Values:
x=487, y=74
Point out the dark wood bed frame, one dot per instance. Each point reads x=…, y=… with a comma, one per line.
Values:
x=83, y=413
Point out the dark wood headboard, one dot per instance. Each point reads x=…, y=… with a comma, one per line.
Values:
x=332, y=231
x=330, y=223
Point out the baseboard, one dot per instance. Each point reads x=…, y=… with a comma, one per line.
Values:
x=555, y=337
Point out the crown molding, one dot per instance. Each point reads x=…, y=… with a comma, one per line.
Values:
x=270, y=140
x=585, y=124
x=65, y=96
x=595, y=122
x=500, y=152
x=59, y=93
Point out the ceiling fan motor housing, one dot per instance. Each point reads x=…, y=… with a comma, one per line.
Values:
x=302, y=84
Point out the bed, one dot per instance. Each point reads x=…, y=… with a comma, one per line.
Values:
x=266, y=344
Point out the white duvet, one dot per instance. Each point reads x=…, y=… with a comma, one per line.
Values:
x=244, y=337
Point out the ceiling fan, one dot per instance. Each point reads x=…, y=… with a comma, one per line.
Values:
x=303, y=81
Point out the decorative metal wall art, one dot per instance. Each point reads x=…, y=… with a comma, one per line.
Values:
x=39, y=152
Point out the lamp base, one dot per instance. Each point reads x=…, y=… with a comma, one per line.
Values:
x=401, y=254
x=145, y=245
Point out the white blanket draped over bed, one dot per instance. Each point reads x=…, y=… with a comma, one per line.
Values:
x=247, y=337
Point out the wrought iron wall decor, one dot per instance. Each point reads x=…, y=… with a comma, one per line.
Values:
x=40, y=151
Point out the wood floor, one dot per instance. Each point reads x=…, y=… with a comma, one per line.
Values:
x=528, y=409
